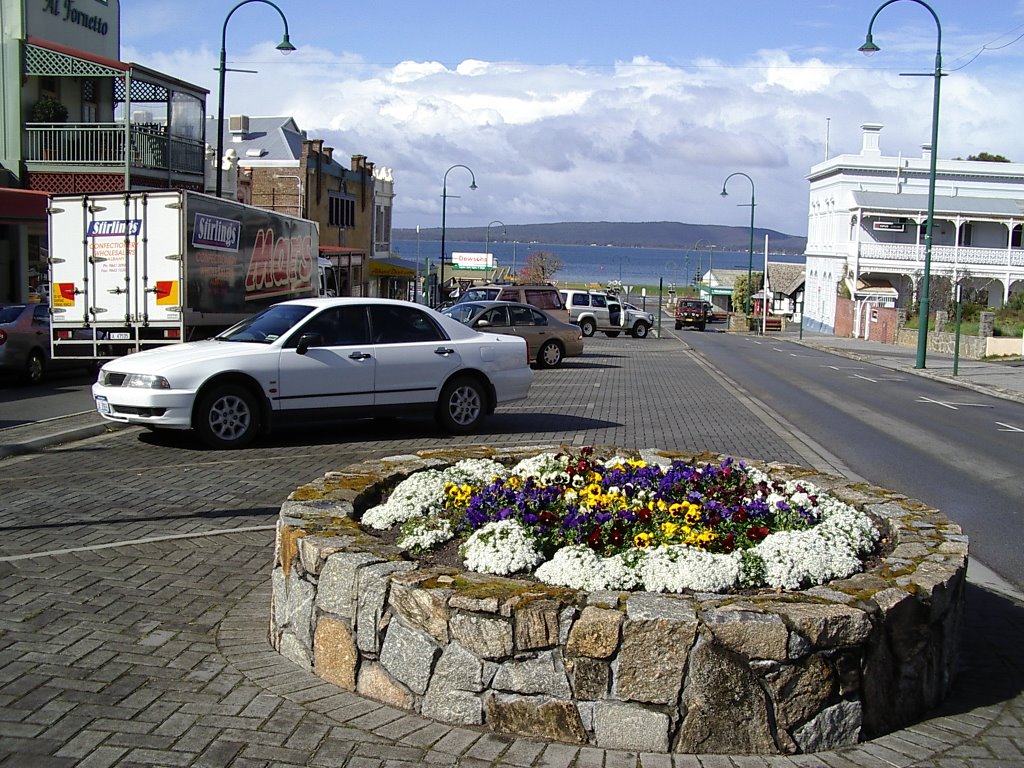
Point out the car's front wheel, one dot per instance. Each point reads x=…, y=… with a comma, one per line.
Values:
x=35, y=366
x=549, y=355
x=679, y=325
x=588, y=327
x=227, y=417
x=640, y=330
x=462, y=405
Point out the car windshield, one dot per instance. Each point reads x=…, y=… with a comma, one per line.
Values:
x=462, y=312
x=268, y=326
x=10, y=314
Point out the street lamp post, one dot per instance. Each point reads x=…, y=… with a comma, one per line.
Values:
x=444, y=210
x=700, y=267
x=750, y=255
x=285, y=47
x=487, y=236
x=869, y=48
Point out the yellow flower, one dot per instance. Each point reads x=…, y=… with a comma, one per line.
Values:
x=515, y=482
x=692, y=513
x=637, y=463
x=676, y=509
x=643, y=540
x=662, y=505
x=592, y=492
x=669, y=529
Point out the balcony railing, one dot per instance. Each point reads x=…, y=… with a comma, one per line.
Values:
x=945, y=255
x=103, y=144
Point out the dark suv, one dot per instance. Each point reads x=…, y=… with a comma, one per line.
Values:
x=691, y=312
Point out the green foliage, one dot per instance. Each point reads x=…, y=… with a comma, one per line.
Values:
x=988, y=158
x=48, y=110
x=740, y=291
x=541, y=267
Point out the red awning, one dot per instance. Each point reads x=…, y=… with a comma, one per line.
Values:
x=17, y=205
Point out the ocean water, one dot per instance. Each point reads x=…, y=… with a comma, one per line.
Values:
x=600, y=263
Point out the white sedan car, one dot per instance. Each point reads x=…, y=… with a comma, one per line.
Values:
x=314, y=360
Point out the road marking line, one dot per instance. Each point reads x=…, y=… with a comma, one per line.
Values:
x=844, y=367
x=952, y=406
x=133, y=542
x=1009, y=427
x=865, y=378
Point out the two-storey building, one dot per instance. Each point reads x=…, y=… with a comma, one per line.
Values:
x=866, y=228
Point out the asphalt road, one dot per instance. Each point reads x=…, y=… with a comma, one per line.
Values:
x=956, y=450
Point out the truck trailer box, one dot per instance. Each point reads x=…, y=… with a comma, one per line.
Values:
x=136, y=270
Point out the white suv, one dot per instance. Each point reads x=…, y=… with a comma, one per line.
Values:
x=598, y=311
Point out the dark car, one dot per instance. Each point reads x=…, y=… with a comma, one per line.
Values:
x=25, y=340
x=692, y=313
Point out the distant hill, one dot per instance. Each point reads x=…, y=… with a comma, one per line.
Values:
x=627, y=234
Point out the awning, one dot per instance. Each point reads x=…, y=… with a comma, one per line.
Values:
x=23, y=205
x=392, y=267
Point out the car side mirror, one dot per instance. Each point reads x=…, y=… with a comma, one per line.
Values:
x=308, y=340
x=481, y=324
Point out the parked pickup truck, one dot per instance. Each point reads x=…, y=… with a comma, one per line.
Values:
x=691, y=312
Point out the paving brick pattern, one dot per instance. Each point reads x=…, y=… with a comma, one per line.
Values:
x=153, y=651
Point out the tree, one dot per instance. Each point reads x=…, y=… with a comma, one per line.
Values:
x=987, y=157
x=740, y=292
x=540, y=267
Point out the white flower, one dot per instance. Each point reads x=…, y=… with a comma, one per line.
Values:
x=679, y=567
x=579, y=567
x=422, y=493
x=425, y=533
x=501, y=548
x=795, y=558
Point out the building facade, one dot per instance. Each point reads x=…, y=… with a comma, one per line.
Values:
x=866, y=231
x=271, y=163
x=78, y=119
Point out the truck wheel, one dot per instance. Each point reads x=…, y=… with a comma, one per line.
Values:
x=679, y=326
x=227, y=417
x=640, y=330
x=701, y=327
x=34, y=367
x=588, y=327
x=461, y=407
x=611, y=334
x=549, y=355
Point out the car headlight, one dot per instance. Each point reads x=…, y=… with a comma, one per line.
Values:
x=146, y=381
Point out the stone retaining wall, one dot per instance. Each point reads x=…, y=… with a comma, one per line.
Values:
x=769, y=672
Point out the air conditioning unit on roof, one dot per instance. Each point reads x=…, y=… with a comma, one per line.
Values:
x=238, y=124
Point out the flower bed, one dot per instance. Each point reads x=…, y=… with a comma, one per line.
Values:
x=729, y=660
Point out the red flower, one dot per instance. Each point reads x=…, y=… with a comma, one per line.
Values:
x=740, y=516
x=757, y=532
x=644, y=514
x=594, y=539
x=548, y=517
x=729, y=543
x=615, y=536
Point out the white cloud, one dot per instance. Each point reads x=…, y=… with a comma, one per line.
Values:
x=640, y=140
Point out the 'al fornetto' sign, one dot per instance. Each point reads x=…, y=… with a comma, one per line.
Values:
x=473, y=260
x=88, y=25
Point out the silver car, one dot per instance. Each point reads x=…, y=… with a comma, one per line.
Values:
x=548, y=339
x=25, y=340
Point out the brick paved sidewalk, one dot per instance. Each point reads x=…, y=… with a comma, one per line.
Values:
x=156, y=654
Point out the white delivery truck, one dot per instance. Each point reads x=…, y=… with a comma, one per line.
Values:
x=136, y=270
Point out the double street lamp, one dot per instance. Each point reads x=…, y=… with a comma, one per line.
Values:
x=487, y=236
x=444, y=209
x=869, y=48
x=285, y=47
x=750, y=255
x=700, y=265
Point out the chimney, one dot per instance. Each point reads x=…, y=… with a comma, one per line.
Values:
x=358, y=161
x=926, y=152
x=329, y=153
x=870, y=146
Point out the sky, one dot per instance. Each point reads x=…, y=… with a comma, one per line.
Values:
x=591, y=110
